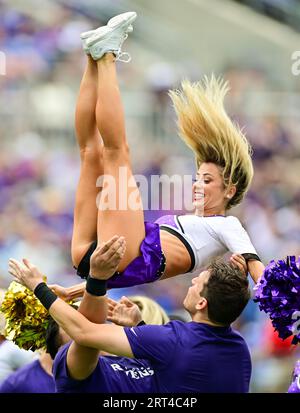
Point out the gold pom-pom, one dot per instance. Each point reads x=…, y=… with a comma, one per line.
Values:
x=26, y=318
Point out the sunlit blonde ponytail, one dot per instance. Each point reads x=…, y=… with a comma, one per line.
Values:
x=207, y=129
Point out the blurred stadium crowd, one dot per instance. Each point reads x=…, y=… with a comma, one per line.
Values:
x=39, y=163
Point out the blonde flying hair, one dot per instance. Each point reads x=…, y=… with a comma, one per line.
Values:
x=152, y=312
x=207, y=129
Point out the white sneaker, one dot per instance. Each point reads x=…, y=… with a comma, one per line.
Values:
x=84, y=37
x=113, y=22
x=124, y=17
x=112, y=39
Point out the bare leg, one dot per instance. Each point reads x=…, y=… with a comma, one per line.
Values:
x=128, y=222
x=91, y=156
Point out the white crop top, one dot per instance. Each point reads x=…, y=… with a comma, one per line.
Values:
x=209, y=237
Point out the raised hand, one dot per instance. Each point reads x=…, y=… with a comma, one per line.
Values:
x=106, y=258
x=25, y=273
x=61, y=292
x=123, y=313
x=239, y=261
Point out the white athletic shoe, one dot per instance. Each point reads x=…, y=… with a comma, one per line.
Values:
x=113, y=22
x=85, y=35
x=124, y=17
x=111, y=40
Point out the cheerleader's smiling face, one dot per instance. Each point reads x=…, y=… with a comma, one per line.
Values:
x=210, y=196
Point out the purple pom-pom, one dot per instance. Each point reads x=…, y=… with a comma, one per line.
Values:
x=295, y=385
x=278, y=294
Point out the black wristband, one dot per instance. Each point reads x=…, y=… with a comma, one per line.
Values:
x=141, y=323
x=251, y=257
x=45, y=295
x=95, y=287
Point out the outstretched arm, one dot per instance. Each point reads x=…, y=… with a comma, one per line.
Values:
x=88, y=336
x=236, y=239
x=256, y=269
x=106, y=337
x=69, y=293
x=82, y=360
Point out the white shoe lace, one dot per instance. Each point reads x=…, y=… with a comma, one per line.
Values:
x=123, y=56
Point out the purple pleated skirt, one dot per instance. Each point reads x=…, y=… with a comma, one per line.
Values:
x=146, y=268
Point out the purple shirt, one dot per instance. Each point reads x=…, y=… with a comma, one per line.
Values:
x=31, y=378
x=193, y=357
x=295, y=385
x=111, y=375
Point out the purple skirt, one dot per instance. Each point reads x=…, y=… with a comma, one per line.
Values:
x=146, y=268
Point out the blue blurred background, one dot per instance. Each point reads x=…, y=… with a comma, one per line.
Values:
x=249, y=42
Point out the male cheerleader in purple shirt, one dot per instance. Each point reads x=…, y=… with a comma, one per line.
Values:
x=111, y=374
x=35, y=377
x=204, y=355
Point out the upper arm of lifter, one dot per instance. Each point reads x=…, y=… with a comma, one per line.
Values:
x=107, y=337
x=82, y=357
